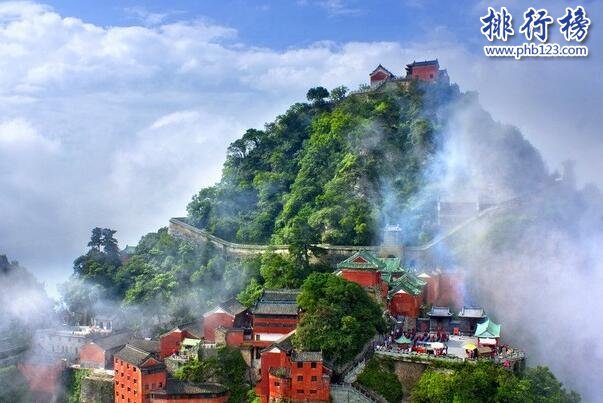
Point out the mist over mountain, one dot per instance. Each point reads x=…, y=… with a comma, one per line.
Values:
x=337, y=170
x=24, y=301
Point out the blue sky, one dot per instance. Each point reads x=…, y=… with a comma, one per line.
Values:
x=104, y=102
x=282, y=24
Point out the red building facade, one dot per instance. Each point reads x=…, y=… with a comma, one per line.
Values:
x=428, y=70
x=170, y=342
x=274, y=315
x=379, y=75
x=99, y=352
x=364, y=269
x=289, y=375
x=444, y=289
x=405, y=304
x=230, y=315
x=137, y=373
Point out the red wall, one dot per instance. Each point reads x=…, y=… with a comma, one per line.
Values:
x=92, y=356
x=211, y=322
x=432, y=289
x=170, y=342
x=279, y=388
x=405, y=304
x=445, y=289
x=269, y=360
x=127, y=376
x=320, y=386
x=42, y=377
x=378, y=76
x=234, y=338
x=450, y=291
x=267, y=387
x=364, y=278
x=425, y=72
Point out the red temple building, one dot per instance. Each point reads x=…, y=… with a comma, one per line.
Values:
x=275, y=314
x=231, y=318
x=444, y=288
x=385, y=279
x=380, y=75
x=364, y=269
x=288, y=375
x=428, y=70
x=170, y=342
x=138, y=371
x=141, y=376
x=98, y=353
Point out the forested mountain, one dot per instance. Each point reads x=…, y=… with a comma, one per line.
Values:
x=330, y=171
x=333, y=170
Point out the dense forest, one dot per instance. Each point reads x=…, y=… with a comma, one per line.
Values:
x=330, y=171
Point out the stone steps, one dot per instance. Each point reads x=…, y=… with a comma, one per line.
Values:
x=347, y=394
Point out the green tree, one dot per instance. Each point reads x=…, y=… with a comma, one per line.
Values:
x=434, y=386
x=251, y=293
x=338, y=93
x=317, y=95
x=379, y=375
x=96, y=238
x=339, y=317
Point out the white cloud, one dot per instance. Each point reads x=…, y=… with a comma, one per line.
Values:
x=18, y=133
x=141, y=109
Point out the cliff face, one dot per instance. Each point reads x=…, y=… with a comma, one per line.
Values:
x=96, y=388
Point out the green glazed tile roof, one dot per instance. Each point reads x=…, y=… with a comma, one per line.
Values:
x=362, y=260
x=487, y=329
x=392, y=265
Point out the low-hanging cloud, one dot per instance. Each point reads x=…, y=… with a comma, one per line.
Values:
x=95, y=97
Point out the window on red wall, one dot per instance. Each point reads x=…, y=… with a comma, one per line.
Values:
x=300, y=391
x=300, y=365
x=312, y=392
x=277, y=384
x=300, y=378
x=314, y=379
x=313, y=365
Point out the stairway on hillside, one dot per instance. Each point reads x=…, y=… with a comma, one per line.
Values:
x=353, y=373
x=347, y=394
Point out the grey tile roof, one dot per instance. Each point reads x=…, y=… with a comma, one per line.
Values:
x=424, y=63
x=277, y=302
x=195, y=329
x=305, y=356
x=280, y=295
x=113, y=340
x=271, y=308
x=181, y=388
x=150, y=346
x=133, y=355
x=233, y=306
x=440, y=311
x=472, y=312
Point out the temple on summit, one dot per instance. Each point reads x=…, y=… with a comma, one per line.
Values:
x=427, y=70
